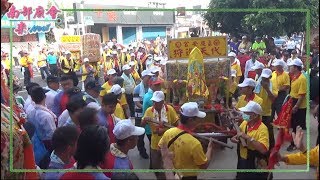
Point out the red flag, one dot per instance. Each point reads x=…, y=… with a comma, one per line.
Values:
x=273, y=154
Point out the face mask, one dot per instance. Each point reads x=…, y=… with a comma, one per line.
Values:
x=245, y=117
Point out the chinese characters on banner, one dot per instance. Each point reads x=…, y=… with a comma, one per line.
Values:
x=32, y=15
x=91, y=46
x=70, y=39
x=210, y=47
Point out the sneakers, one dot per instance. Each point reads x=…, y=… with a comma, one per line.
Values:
x=291, y=148
x=144, y=155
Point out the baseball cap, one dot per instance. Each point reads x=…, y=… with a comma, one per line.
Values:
x=131, y=63
x=126, y=67
x=111, y=71
x=67, y=52
x=124, y=129
x=279, y=62
x=157, y=58
x=252, y=107
x=157, y=96
x=51, y=78
x=258, y=66
x=116, y=89
x=94, y=86
x=232, y=54
x=296, y=62
x=244, y=37
x=155, y=69
x=119, y=48
x=146, y=73
x=155, y=80
x=191, y=109
x=132, y=54
x=266, y=73
x=105, y=47
x=233, y=73
x=114, y=52
x=247, y=82
x=85, y=60
x=242, y=51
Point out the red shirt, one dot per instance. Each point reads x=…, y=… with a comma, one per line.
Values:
x=243, y=59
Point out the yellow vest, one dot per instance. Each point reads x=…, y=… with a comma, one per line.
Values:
x=84, y=71
x=68, y=65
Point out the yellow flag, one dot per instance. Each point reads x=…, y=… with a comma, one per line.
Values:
x=196, y=76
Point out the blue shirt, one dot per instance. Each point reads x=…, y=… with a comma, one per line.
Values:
x=52, y=59
x=146, y=104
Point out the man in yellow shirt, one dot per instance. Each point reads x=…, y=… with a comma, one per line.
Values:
x=111, y=74
x=134, y=72
x=235, y=65
x=268, y=92
x=255, y=133
x=281, y=79
x=298, y=94
x=258, y=67
x=118, y=91
x=187, y=150
x=161, y=113
x=26, y=64
x=301, y=157
x=246, y=89
x=42, y=64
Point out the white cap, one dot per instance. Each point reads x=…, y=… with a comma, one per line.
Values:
x=233, y=73
x=94, y=105
x=247, y=82
x=232, y=54
x=279, y=62
x=114, y=52
x=296, y=62
x=131, y=63
x=191, y=109
x=157, y=96
x=132, y=54
x=111, y=71
x=116, y=89
x=244, y=37
x=85, y=60
x=108, y=54
x=67, y=52
x=124, y=129
x=119, y=48
x=157, y=58
x=146, y=73
x=258, y=65
x=124, y=50
x=155, y=69
x=105, y=47
x=252, y=107
x=50, y=51
x=163, y=62
x=242, y=50
x=266, y=73
x=126, y=67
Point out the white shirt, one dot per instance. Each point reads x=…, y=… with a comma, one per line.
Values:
x=291, y=44
x=62, y=119
x=27, y=103
x=50, y=97
x=248, y=67
x=128, y=83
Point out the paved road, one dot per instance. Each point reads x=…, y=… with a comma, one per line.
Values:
x=223, y=159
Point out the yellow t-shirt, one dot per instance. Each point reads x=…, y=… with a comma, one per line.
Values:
x=267, y=102
x=25, y=61
x=172, y=117
x=235, y=66
x=299, y=87
x=107, y=87
x=300, y=158
x=187, y=150
x=7, y=63
x=42, y=60
x=243, y=102
x=260, y=134
x=280, y=79
x=136, y=76
x=119, y=111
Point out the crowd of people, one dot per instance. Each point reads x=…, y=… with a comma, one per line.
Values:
x=95, y=128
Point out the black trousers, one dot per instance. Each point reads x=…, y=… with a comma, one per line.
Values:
x=277, y=104
x=267, y=121
x=298, y=119
x=54, y=69
x=140, y=144
x=130, y=102
x=27, y=76
x=44, y=70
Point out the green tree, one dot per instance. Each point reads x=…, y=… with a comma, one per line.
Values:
x=261, y=23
